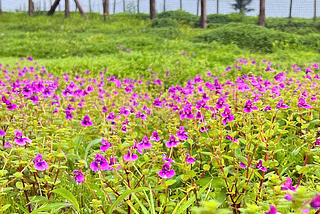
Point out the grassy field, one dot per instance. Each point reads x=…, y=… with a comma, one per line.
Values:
x=75, y=44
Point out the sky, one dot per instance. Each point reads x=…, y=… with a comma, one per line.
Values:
x=274, y=8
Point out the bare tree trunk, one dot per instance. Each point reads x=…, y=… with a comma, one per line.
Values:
x=217, y=6
x=53, y=7
x=315, y=11
x=198, y=3
x=67, y=9
x=204, y=14
x=105, y=9
x=0, y=9
x=124, y=5
x=114, y=7
x=180, y=4
x=262, y=15
x=138, y=6
x=44, y=6
x=153, y=9
x=290, y=10
x=164, y=5
x=30, y=7
x=90, y=9
x=78, y=5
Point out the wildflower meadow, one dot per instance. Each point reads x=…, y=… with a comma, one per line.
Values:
x=92, y=142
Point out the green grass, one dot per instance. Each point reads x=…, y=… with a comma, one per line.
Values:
x=75, y=44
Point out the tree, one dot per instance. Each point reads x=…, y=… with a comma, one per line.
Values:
x=242, y=6
x=262, y=14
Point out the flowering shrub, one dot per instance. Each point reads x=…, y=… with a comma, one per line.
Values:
x=85, y=143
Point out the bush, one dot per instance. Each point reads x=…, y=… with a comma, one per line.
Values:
x=247, y=36
x=165, y=32
x=180, y=15
x=165, y=22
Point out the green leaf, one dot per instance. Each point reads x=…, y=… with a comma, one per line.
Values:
x=5, y=207
x=170, y=182
x=92, y=143
x=190, y=200
x=68, y=195
x=22, y=208
x=50, y=207
x=144, y=209
x=125, y=194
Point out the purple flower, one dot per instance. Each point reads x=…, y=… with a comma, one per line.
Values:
x=242, y=165
x=172, y=142
x=288, y=197
x=288, y=185
x=273, y=210
x=181, y=134
x=39, y=164
x=7, y=144
x=79, y=178
x=267, y=108
x=280, y=77
x=249, y=106
x=259, y=166
x=166, y=172
x=105, y=145
x=68, y=116
x=228, y=137
x=86, y=121
x=113, y=161
x=130, y=156
x=228, y=117
x=99, y=163
x=2, y=133
x=145, y=144
x=21, y=141
x=165, y=158
x=315, y=203
x=155, y=136
x=189, y=159
x=303, y=104
x=220, y=103
x=317, y=143
x=281, y=104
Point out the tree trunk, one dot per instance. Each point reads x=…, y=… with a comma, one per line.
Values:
x=90, y=9
x=105, y=9
x=315, y=11
x=67, y=9
x=204, y=14
x=53, y=7
x=44, y=6
x=217, y=6
x=114, y=7
x=153, y=9
x=164, y=5
x=0, y=9
x=138, y=6
x=30, y=7
x=198, y=3
x=124, y=5
x=262, y=15
x=78, y=5
x=290, y=10
x=180, y=4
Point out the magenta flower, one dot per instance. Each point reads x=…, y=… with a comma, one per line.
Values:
x=99, y=163
x=7, y=144
x=281, y=104
x=189, y=159
x=165, y=158
x=288, y=197
x=267, y=108
x=273, y=210
x=145, y=144
x=39, y=164
x=242, y=165
x=105, y=145
x=249, y=106
x=181, y=134
x=166, y=172
x=79, y=178
x=317, y=143
x=259, y=166
x=113, y=161
x=303, y=104
x=172, y=142
x=288, y=185
x=220, y=103
x=155, y=136
x=21, y=141
x=130, y=156
x=315, y=203
x=68, y=116
x=86, y=121
x=228, y=117
x=2, y=133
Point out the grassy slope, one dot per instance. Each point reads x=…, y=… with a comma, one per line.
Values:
x=75, y=44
